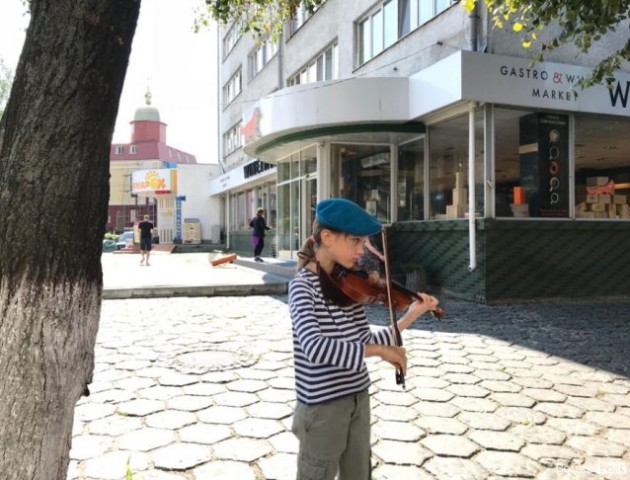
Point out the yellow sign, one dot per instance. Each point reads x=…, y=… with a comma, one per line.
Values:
x=154, y=181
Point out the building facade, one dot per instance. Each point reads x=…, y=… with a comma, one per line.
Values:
x=499, y=178
x=150, y=177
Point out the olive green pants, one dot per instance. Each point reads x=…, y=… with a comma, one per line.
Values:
x=334, y=438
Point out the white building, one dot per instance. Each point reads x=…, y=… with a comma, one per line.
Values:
x=488, y=168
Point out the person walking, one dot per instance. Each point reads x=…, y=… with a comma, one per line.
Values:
x=331, y=339
x=259, y=224
x=146, y=237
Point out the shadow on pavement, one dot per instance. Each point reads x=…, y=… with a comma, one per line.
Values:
x=593, y=333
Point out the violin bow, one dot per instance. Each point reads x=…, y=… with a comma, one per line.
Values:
x=400, y=376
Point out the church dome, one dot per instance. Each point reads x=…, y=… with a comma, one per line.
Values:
x=147, y=113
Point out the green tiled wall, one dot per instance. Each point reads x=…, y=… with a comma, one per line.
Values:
x=517, y=260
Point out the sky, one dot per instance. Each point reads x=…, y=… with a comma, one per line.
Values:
x=176, y=64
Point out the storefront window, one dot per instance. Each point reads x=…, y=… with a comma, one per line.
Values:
x=284, y=217
x=284, y=171
x=364, y=176
x=532, y=164
x=411, y=181
x=448, y=168
x=602, y=167
x=296, y=201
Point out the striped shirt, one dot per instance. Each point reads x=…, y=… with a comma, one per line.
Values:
x=328, y=343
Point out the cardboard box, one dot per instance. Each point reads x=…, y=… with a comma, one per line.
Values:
x=598, y=207
x=581, y=207
x=620, y=199
x=606, y=199
x=520, y=209
x=592, y=199
x=596, y=181
x=454, y=211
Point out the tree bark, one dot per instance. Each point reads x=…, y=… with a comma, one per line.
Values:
x=55, y=138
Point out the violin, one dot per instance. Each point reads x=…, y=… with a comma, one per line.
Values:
x=355, y=285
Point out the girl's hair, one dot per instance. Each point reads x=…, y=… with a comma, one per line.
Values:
x=260, y=210
x=306, y=254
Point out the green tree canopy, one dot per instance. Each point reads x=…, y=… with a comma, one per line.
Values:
x=580, y=23
x=262, y=17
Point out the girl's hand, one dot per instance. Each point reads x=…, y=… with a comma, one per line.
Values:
x=397, y=356
x=418, y=308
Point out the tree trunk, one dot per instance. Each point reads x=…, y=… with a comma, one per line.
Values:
x=55, y=138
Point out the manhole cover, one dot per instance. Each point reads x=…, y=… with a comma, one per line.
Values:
x=212, y=361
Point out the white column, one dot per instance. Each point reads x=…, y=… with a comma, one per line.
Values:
x=323, y=171
x=472, y=236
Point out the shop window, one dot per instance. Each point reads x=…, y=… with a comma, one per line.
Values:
x=364, y=176
x=532, y=164
x=448, y=168
x=410, y=202
x=602, y=168
x=296, y=197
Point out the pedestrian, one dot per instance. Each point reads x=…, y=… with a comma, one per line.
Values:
x=331, y=339
x=259, y=224
x=146, y=237
x=372, y=262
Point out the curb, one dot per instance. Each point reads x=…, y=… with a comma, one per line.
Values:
x=278, y=288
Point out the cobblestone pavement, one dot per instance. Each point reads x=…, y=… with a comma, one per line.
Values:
x=202, y=388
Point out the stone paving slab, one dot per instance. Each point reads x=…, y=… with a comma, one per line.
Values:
x=202, y=388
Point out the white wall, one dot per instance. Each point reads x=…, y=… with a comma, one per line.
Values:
x=192, y=181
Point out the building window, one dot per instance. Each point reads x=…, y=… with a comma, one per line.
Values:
x=324, y=66
x=299, y=16
x=361, y=173
x=392, y=20
x=232, y=88
x=232, y=36
x=261, y=56
x=232, y=139
x=133, y=149
x=532, y=166
x=410, y=202
x=602, y=168
x=448, y=168
x=120, y=149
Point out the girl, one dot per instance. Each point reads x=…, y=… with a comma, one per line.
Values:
x=331, y=339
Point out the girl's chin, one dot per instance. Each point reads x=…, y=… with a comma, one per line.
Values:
x=349, y=265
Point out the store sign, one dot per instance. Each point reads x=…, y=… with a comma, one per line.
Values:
x=255, y=168
x=156, y=182
x=498, y=79
x=241, y=176
x=515, y=81
x=250, y=128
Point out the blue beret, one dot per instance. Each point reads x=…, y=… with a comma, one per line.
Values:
x=345, y=216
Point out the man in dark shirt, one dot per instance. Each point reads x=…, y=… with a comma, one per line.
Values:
x=259, y=225
x=146, y=235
